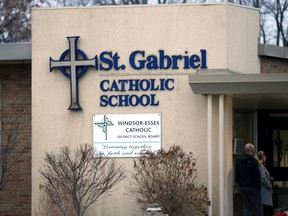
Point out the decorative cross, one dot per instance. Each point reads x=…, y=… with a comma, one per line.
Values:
x=103, y=125
x=73, y=63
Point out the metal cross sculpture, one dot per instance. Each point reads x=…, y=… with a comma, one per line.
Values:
x=73, y=63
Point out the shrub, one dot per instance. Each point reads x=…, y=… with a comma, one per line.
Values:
x=168, y=178
x=74, y=180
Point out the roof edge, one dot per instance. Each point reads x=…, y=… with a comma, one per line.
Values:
x=239, y=83
x=15, y=52
x=272, y=51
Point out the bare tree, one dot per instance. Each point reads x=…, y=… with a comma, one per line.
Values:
x=10, y=149
x=46, y=205
x=15, y=23
x=15, y=16
x=65, y=3
x=112, y=2
x=74, y=180
x=278, y=10
x=273, y=20
x=15, y=20
x=168, y=178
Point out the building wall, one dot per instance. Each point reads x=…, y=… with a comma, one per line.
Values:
x=241, y=50
x=123, y=29
x=15, y=198
x=273, y=65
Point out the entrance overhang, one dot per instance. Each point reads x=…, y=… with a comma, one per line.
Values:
x=249, y=91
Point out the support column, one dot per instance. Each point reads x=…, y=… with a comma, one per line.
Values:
x=221, y=155
x=209, y=150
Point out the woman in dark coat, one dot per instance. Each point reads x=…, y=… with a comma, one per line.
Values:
x=266, y=185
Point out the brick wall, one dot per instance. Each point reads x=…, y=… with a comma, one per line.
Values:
x=273, y=65
x=15, y=198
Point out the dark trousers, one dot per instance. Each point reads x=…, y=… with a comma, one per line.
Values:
x=268, y=210
x=251, y=199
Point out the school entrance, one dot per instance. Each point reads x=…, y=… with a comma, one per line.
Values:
x=273, y=139
x=260, y=116
x=268, y=129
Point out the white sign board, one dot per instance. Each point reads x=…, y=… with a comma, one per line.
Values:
x=126, y=135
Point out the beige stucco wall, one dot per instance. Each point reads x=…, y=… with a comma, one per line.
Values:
x=123, y=29
x=241, y=51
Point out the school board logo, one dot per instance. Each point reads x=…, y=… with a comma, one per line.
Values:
x=73, y=63
x=103, y=125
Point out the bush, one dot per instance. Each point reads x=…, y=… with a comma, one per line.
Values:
x=168, y=178
x=74, y=180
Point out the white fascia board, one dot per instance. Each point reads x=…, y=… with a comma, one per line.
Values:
x=15, y=51
x=239, y=83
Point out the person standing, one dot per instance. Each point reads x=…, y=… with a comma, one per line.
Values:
x=266, y=185
x=248, y=178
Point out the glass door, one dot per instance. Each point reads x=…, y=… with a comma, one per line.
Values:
x=273, y=139
x=243, y=127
